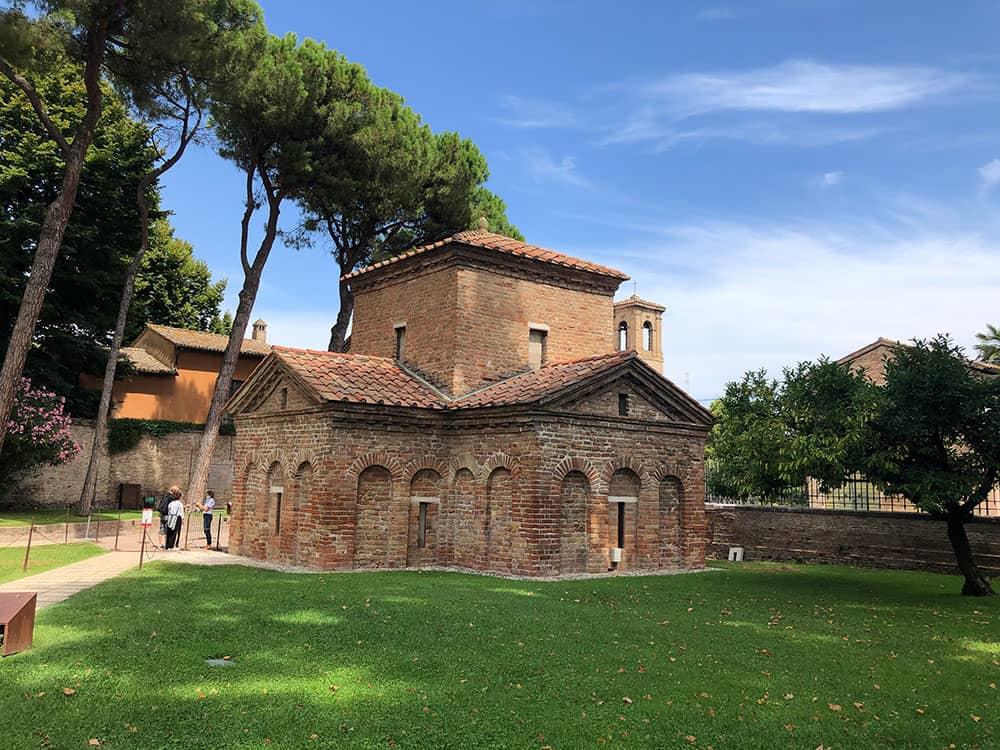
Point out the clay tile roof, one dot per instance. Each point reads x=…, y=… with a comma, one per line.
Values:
x=145, y=363
x=532, y=386
x=497, y=242
x=207, y=342
x=357, y=378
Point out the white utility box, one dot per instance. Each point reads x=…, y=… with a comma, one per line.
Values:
x=735, y=554
x=616, y=554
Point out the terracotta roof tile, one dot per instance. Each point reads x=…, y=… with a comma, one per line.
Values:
x=207, y=342
x=357, y=378
x=536, y=384
x=490, y=241
x=144, y=362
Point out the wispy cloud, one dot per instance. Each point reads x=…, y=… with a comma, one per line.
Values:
x=716, y=14
x=802, y=86
x=543, y=166
x=989, y=173
x=743, y=296
x=665, y=135
x=522, y=112
x=829, y=179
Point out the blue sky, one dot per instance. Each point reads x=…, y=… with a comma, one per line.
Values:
x=788, y=178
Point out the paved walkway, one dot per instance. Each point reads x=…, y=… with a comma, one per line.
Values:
x=61, y=583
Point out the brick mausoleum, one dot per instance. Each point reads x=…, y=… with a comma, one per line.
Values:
x=497, y=412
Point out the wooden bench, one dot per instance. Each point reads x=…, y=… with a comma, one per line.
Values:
x=17, y=621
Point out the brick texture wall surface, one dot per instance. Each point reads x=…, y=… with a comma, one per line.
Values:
x=466, y=325
x=521, y=494
x=877, y=540
x=154, y=464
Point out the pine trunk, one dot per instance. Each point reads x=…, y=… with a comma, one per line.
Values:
x=338, y=334
x=49, y=243
x=248, y=295
x=975, y=583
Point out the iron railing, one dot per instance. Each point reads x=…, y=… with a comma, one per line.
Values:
x=856, y=494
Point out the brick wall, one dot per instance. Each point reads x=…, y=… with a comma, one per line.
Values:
x=518, y=493
x=154, y=464
x=868, y=539
x=467, y=323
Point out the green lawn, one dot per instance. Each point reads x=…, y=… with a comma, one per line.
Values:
x=753, y=656
x=44, y=557
x=58, y=515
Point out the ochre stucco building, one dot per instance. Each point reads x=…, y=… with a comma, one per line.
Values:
x=174, y=372
x=484, y=419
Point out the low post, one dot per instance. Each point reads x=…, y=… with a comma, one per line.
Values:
x=86, y=534
x=218, y=535
x=118, y=528
x=27, y=550
x=97, y=532
x=187, y=527
x=142, y=547
x=66, y=535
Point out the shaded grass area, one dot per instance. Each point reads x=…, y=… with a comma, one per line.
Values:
x=58, y=515
x=753, y=656
x=44, y=557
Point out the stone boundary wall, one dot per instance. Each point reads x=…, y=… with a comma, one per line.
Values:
x=154, y=464
x=870, y=539
x=55, y=533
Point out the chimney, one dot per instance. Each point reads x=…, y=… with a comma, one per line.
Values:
x=259, y=331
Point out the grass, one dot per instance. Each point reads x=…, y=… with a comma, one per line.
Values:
x=754, y=656
x=58, y=515
x=43, y=557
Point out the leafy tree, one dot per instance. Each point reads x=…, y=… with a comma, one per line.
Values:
x=748, y=440
x=174, y=288
x=393, y=185
x=75, y=320
x=131, y=37
x=931, y=435
x=291, y=109
x=989, y=344
x=38, y=433
x=186, y=49
x=935, y=440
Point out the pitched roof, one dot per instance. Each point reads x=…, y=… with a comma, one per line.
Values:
x=356, y=378
x=183, y=338
x=986, y=368
x=489, y=241
x=636, y=300
x=144, y=362
x=532, y=386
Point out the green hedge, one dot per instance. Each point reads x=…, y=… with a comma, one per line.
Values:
x=124, y=434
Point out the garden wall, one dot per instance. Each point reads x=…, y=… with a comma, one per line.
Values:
x=868, y=539
x=154, y=464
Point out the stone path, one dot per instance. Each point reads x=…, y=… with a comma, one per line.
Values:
x=61, y=583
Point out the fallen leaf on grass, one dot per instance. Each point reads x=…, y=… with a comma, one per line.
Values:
x=68, y=691
x=93, y=742
x=626, y=699
x=334, y=688
x=834, y=706
x=789, y=727
x=975, y=718
x=920, y=712
x=691, y=738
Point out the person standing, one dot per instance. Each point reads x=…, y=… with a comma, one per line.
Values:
x=206, y=507
x=175, y=519
x=163, y=508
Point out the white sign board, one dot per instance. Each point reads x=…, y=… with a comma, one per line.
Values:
x=147, y=516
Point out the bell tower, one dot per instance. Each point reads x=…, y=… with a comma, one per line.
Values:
x=637, y=327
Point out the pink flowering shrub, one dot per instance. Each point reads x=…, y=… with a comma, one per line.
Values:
x=37, y=433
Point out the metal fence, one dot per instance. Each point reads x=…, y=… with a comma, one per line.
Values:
x=856, y=494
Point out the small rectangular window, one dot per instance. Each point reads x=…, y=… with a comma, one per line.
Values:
x=277, y=514
x=400, y=343
x=622, y=404
x=536, y=347
x=284, y=398
x=422, y=527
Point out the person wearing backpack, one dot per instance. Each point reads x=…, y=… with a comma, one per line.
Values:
x=175, y=519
